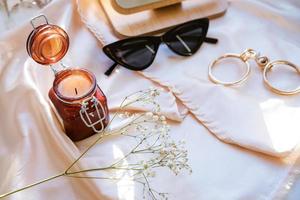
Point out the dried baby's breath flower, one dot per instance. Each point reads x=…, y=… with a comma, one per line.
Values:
x=154, y=149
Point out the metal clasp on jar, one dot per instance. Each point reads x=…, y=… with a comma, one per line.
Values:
x=86, y=112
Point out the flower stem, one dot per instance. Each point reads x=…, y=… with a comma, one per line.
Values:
x=31, y=185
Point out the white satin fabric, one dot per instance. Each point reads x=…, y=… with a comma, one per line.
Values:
x=33, y=145
x=250, y=116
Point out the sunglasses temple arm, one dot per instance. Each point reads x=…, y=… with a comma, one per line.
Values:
x=111, y=69
x=211, y=40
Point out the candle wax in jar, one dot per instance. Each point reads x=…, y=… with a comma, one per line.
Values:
x=74, y=86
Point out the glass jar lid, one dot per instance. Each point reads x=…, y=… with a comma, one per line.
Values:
x=47, y=43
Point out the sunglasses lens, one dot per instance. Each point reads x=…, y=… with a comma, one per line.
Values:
x=186, y=39
x=137, y=54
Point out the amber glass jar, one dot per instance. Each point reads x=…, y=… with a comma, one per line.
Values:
x=84, y=114
x=76, y=97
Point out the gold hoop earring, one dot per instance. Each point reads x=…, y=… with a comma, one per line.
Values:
x=263, y=62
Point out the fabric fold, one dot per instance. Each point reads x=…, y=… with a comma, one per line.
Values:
x=249, y=116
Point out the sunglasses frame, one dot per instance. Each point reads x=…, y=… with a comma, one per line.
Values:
x=157, y=41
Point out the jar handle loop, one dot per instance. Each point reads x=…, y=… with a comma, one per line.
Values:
x=37, y=17
x=86, y=115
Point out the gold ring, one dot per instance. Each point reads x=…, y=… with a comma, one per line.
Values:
x=228, y=83
x=274, y=89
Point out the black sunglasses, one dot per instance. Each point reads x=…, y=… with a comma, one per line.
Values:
x=138, y=53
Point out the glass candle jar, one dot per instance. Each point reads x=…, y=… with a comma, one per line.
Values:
x=79, y=102
x=75, y=95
